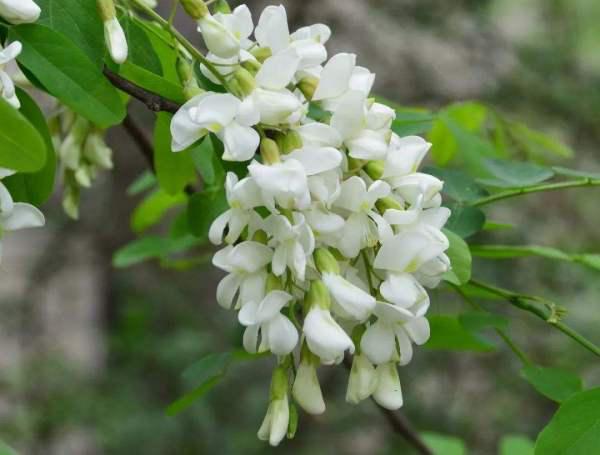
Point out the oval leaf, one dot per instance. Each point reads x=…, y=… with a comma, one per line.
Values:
x=554, y=383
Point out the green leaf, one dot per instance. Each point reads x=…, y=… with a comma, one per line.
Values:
x=460, y=259
x=34, y=188
x=496, y=226
x=22, y=148
x=466, y=221
x=143, y=182
x=538, y=144
x=457, y=185
x=152, y=82
x=590, y=260
x=207, y=373
x=575, y=428
x=68, y=74
x=141, y=52
x=203, y=209
x=576, y=173
x=412, y=121
x=516, y=445
x=173, y=170
x=444, y=445
x=517, y=251
x=475, y=321
x=447, y=333
x=153, y=208
x=151, y=247
x=79, y=21
x=554, y=383
x=514, y=174
x=6, y=449
x=208, y=163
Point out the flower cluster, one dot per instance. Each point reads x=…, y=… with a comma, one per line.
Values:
x=333, y=236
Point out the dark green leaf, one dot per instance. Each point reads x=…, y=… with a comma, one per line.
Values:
x=409, y=122
x=153, y=208
x=68, y=74
x=79, y=21
x=478, y=320
x=22, y=148
x=152, y=82
x=575, y=428
x=141, y=52
x=447, y=333
x=173, y=170
x=187, y=400
x=6, y=449
x=555, y=383
x=466, y=221
x=34, y=188
x=203, y=209
x=151, y=247
x=208, y=163
x=144, y=182
x=457, y=185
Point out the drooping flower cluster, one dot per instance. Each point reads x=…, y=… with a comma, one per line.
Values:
x=333, y=236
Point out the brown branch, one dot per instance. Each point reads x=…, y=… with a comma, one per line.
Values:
x=399, y=423
x=153, y=101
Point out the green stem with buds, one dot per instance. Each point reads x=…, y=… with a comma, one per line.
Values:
x=550, y=314
x=534, y=189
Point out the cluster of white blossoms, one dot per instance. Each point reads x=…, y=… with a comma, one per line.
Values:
x=14, y=215
x=333, y=236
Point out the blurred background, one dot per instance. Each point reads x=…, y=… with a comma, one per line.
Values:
x=90, y=356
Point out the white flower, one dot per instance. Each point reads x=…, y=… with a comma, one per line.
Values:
x=285, y=183
x=325, y=338
x=390, y=337
x=19, y=11
x=326, y=225
x=362, y=132
x=306, y=389
x=242, y=196
x=405, y=291
x=431, y=273
x=273, y=32
x=276, y=421
x=16, y=215
x=417, y=247
x=216, y=113
x=418, y=187
x=388, y=392
x=351, y=301
x=116, y=42
x=404, y=156
x=222, y=33
x=363, y=380
x=277, y=332
x=245, y=264
x=292, y=243
x=271, y=102
x=7, y=86
x=319, y=135
x=364, y=226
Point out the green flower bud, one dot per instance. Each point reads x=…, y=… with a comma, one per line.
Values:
x=388, y=203
x=97, y=152
x=326, y=262
x=187, y=78
x=261, y=53
x=252, y=66
x=221, y=6
x=289, y=141
x=374, y=169
x=260, y=236
x=269, y=151
x=317, y=295
x=245, y=81
x=308, y=86
x=83, y=176
x=293, y=425
x=196, y=9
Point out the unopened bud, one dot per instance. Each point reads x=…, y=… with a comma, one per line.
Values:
x=269, y=151
x=260, y=236
x=289, y=141
x=186, y=76
x=317, y=295
x=245, y=80
x=326, y=262
x=293, y=425
x=261, y=53
x=196, y=9
x=374, y=169
x=221, y=6
x=308, y=86
x=116, y=42
x=388, y=203
x=97, y=152
x=19, y=11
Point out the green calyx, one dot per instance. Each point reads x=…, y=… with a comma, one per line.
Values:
x=289, y=141
x=279, y=383
x=269, y=151
x=106, y=10
x=196, y=9
x=388, y=203
x=245, y=81
x=326, y=262
x=308, y=86
x=374, y=169
x=317, y=296
x=273, y=283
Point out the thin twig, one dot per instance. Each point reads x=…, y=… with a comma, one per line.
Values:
x=534, y=189
x=154, y=102
x=399, y=423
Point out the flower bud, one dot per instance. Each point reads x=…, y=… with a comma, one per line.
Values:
x=83, y=176
x=221, y=6
x=276, y=422
x=260, y=236
x=261, y=53
x=306, y=389
x=388, y=203
x=196, y=9
x=97, y=152
x=219, y=40
x=116, y=42
x=308, y=86
x=388, y=392
x=71, y=148
x=186, y=76
x=269, y=151
x=289, y=141
x=374, y=169
x=19, y=11
x=317, y=296
x=326, y=262
x=245, y=80
x=362, y=381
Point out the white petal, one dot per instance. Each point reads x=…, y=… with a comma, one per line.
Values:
x=275, y=106
x=272, y=305
x=307, y=391
x=368, y=145
x=403, y=289
x=272, y=29
x=21, y=216
x=247, y=315
x=279, y=421
x=405, y=345
x=319, y=135
x=316, y=160
x=278, y=71
x=363, y=380
x=10, y=52
x=323, y=221
x=217, y=228
x=388, y=393
x=417, y=248
x=355, y=302
x=250, y=256
x=116, y=42
x=250, y=339
x=405, y=156
x=362, y=80
x=227, y=289
x=353, y=193
x=378, y=343
x=335, y=76
x=418, y=329
x=325, y=338
x=219, y=40
x=240, y=142
x=349, y=115
x=6, y=200
x=281, y=334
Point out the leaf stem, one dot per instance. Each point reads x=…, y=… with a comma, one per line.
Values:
x=551, y=313
x=534, y=189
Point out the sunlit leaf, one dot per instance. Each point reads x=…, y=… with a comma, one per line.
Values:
x=555, y=383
